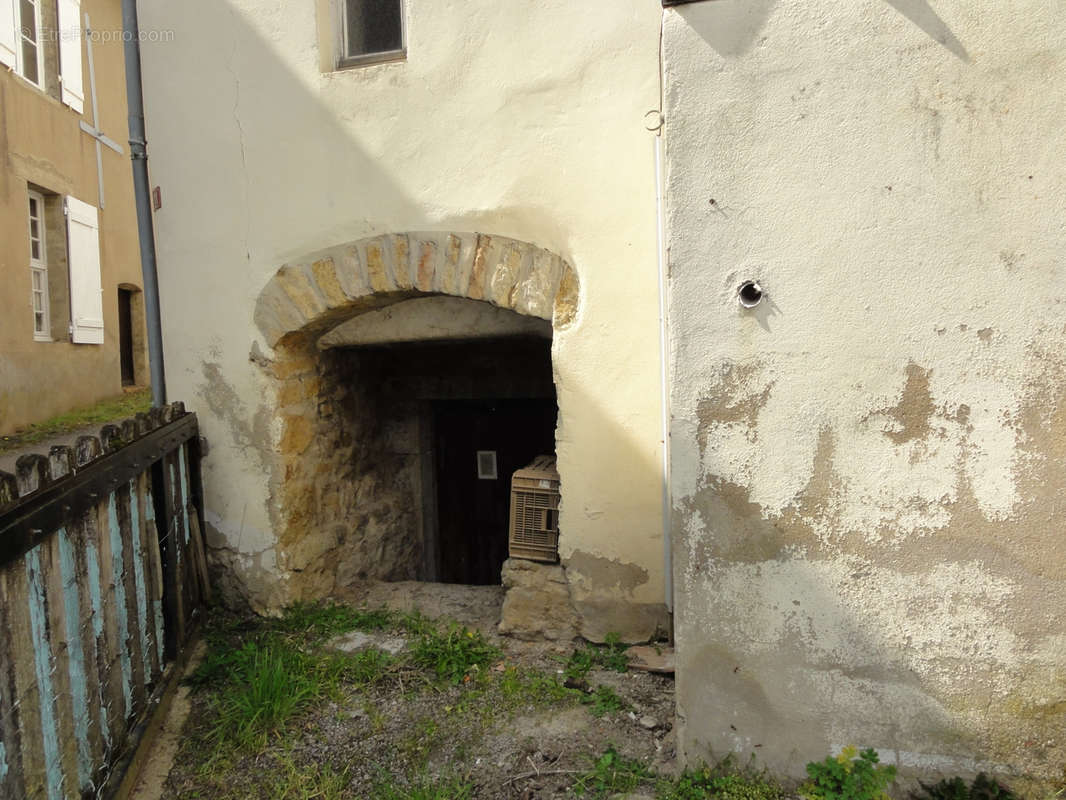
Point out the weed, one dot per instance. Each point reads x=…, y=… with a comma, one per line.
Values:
x=612, y=773
x=603, y=700
x=453, y=654
x=982, y=788
x=611, y=656
x=724, y=781
x=308, y=783
x=528, y=687
x=269, y=686
x=423, y=788
x=849, y=776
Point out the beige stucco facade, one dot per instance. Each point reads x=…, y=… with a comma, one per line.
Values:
x=519, y=123
x=868, y=466
x=44, y=149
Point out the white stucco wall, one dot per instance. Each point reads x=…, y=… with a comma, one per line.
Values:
x=868, y=467
x=521, y=118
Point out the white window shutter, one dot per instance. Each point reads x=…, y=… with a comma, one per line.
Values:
x=8, y=31
x=86, y=290
x=70, y=73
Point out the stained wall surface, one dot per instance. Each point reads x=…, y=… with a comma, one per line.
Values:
x=869, y=466
x=522, y=119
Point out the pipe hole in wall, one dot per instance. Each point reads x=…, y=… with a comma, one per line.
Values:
x=750, y=294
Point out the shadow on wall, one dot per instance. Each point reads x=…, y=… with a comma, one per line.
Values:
x=922, y=14
x=732, y=26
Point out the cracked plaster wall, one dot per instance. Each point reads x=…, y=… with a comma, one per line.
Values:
x=522, y=118
x=869, y=467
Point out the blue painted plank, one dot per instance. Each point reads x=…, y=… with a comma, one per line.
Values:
x=43, y=665
x=96, y=603
x=138, y=579
x=79, y=680
x=119, y=589
x=157, y=602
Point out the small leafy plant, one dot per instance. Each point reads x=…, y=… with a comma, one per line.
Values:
x=612, y=773
x=612, y=656
x=852, y=775
x=453, y=654
x=603, y=700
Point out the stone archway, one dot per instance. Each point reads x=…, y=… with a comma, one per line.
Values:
x=341, y=489
x=316, y=293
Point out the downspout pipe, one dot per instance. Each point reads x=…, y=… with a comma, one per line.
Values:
x=145, y=230
x=664, y=343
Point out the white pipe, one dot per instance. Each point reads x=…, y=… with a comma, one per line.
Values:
x=664, y=376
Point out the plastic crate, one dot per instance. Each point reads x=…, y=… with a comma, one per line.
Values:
x=535, y=496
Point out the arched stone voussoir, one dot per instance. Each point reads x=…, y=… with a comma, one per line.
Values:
x=315, y=293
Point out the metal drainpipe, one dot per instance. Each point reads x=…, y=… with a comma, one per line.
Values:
x=145, y=231
x=664, y=348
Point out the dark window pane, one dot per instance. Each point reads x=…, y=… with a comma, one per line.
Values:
x=374, y=26
x=29, y=20
x=29, y=60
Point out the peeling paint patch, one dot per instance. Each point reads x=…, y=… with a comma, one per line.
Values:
x=915, y=409
x=42, y=660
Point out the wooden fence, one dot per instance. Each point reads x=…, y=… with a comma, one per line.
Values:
x=102, y=576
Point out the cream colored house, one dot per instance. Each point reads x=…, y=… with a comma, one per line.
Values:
x=340, y=170
x=71, y=319
x=404, y=253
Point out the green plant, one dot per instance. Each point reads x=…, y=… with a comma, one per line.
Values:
x=324, y=620
x=522, y=687
x=982, y=788
x=611, y=656
x=723, y=782
x=603, y=700
x=612, y=773
x=307, y=783
x=454, y=653
x=851, y=775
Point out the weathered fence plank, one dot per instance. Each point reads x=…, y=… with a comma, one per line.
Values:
x=101, y=573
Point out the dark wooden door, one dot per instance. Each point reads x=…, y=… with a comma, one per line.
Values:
x=125, y=336
x=473, y=511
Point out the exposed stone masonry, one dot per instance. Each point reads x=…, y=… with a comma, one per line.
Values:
x=314, y=295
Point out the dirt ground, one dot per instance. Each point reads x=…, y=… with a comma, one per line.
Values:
x=506, y=733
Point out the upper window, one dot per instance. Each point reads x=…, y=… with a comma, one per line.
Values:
x=371, y=31
x=39, y=269
x=29, y=40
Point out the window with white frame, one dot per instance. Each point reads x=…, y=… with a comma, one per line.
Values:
x=30, y=57
x=39, y=269
x=371, y=31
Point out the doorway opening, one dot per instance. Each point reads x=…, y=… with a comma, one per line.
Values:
x=479, y=446
x=415, y=448
x=125, y=337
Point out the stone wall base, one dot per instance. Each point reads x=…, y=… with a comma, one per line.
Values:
x=539, y=605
